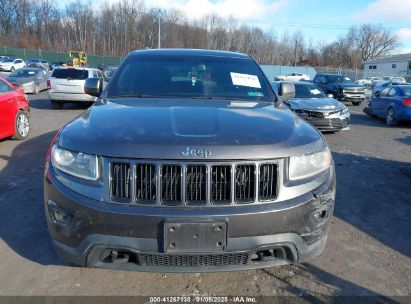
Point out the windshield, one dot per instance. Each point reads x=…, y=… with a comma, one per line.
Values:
x=8, y=60
x=191, y=77
x=24, y=73
x=308, y=91
x=338, y=79
x=70, y=74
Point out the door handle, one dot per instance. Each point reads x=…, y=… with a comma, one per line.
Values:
x=10, y=100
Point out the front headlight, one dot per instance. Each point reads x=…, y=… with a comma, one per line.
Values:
x=308, y=165
x=78, y=164
x=344, y=111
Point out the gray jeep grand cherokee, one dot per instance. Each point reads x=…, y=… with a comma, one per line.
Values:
x=188, y=161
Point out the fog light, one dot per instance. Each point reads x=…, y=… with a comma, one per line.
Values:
x=320, y=215
x=58, y=214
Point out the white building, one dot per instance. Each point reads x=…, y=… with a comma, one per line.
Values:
x=396, y=65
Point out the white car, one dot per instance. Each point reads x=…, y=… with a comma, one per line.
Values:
x=368, y=81
x=11, y=64
x=293, y=77
x=66, y=84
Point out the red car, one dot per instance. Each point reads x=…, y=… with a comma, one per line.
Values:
x=14, y=111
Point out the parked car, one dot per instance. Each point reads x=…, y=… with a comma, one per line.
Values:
x=393, y=103
x=54, y=64
x=379, y=86
x=322, y=111
x=66, y=84
x=341, y=87
x=394, y=79
x=368, y=81
x=39, y=63
x=109, y=73
x=293, y=77
x=31, y=80
x=11, y=64
x=188, y=161
x=14, y=112
x=2, y=58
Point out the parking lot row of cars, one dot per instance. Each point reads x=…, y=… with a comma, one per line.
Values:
x=388, y=98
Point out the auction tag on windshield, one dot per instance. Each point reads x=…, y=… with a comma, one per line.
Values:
x=31, y=73
x=245, y=80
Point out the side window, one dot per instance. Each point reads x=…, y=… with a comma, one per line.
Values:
x=315, y=79
x=392, y=92
x=4, y=88
x=18, y=61
x=384, y=92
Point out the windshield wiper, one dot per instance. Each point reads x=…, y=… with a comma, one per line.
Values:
x=138, y=96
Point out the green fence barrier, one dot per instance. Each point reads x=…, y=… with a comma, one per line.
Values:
x=27, y=54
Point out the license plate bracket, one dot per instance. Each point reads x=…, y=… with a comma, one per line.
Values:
x=207, y=236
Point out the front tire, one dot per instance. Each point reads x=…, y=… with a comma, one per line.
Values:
x=57, y=105
x=390, y=118
x=21, y=126
x=12, y=69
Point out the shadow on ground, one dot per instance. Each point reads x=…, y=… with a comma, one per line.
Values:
x=44, y=104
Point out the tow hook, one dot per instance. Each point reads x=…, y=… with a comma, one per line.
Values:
x=119, y=257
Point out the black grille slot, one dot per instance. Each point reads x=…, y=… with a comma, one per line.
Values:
x=244, y=183
x=196, y=184
x=120, y=184
x=171, y=184
x=268, y=181
x=146, y=183
x=221, y=184
x=200, y=260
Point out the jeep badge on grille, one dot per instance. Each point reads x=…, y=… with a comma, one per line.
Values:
x=196, y=152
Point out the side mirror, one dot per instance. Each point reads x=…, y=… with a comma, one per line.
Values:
x=330, y=95
x=93, y=86
x=287, y=90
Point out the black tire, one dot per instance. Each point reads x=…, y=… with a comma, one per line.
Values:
x=21, y=126
x=390, y=118
x=357, y=103
x=57, y=105
x=12, y=69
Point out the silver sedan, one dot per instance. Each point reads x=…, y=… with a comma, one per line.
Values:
x=31, y=80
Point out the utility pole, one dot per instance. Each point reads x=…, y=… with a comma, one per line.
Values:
x=159, y=28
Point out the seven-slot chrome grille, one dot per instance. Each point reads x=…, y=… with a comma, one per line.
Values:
x=192, y=184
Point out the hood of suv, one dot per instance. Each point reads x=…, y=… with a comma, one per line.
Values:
x=166, y=128
x=349, y=86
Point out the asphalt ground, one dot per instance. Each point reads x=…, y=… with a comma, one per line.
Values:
x=368, y=252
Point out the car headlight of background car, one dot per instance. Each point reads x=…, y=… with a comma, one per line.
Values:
x=308, y=165
x=344, y=111
x=78, y=164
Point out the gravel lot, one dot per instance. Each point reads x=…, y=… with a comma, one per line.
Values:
x=368, y=250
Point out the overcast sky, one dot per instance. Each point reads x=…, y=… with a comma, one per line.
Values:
x=319, y=20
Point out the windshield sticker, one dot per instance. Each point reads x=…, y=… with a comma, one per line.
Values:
x=255, y=94
x=346, y=78
x=315, y=91
x=245, y=80
x=31, y=73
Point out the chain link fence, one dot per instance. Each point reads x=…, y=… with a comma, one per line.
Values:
x=27, y=54
x=356, y=74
